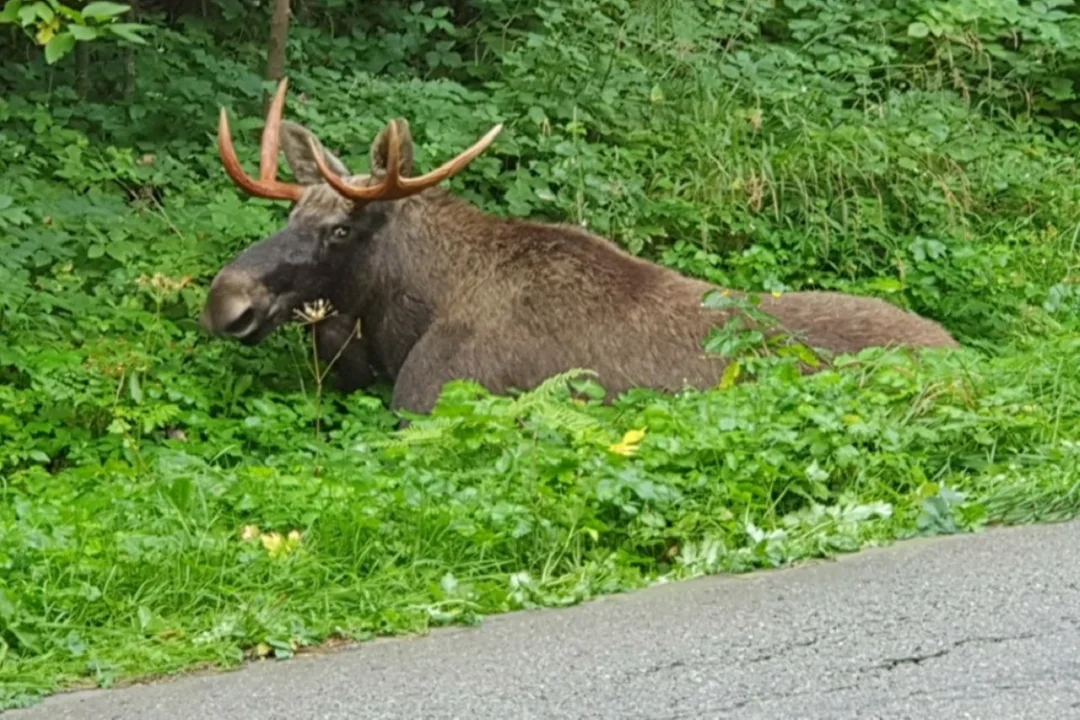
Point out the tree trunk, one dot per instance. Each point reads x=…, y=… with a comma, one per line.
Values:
x=275, y=53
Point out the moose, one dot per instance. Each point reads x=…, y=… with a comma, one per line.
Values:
x=442, y=291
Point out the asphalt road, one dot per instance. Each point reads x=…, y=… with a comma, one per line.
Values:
x=984, y=626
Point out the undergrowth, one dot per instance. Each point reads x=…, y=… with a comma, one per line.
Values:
x=167, y=499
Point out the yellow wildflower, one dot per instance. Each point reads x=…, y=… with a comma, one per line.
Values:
x=629, y=443
x=278, y=546
x=47, y=31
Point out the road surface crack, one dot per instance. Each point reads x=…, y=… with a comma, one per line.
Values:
x=783, y=650
x=663, y=666
x=893, y=663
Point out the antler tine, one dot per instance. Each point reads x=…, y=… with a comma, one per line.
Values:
x=271, y=136
x=343, y=188
x=392, y=181
x=267, y=186
x=395, y=187
x=390, y=187
x=452, y=167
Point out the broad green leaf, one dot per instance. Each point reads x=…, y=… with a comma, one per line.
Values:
x=83, y=32
x=70, y=13
x=241, y=385
x=59, y=46
x=27, y=15
x=10, y=13
x=7, y=606
x=104, y=10
x=27, y=639
x=43, y=11
x=129, y=32
x=135, y=388
x=918, y=30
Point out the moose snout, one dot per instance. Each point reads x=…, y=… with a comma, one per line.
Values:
x=236, y=306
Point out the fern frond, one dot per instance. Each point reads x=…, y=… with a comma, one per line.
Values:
x=568, y=418
x=547, y=391
x=433, y=430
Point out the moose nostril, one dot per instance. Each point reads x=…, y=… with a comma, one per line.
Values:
x=242, y=323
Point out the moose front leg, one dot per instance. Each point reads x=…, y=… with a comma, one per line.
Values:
x=444, y=353
x=339, y=346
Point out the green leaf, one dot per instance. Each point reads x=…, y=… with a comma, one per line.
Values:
x=730, y=375
x=104, y=10
x=43, y=11
x=7, y=606
x=282, y=648
x=10, y=13
x=717, y=300
x=83, y=32
x=135, y=388
x=242, y=384
x=918, y=30
x=27, y=15
x=70, y=13
x=145, y=616
x=886, y=285
x=908, y=164
x=807, y=355
x=59, y=46
x=129, y=32
x=27, y=639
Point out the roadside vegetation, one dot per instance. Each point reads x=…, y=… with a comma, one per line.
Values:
x=168, y=500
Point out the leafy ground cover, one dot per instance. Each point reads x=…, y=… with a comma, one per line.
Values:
x=168, y=500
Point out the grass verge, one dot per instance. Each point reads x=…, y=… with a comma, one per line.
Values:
x=198, y=551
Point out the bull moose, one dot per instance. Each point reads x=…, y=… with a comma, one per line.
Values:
x=443, y=291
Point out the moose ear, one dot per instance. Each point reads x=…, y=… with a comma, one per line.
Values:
x=295, y=140
x=380, y=149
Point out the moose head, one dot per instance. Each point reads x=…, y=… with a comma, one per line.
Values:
x=443, y=291
x=333, y=229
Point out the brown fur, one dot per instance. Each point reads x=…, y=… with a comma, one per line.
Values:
x=444, y=291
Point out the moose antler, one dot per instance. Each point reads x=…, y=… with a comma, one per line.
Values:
x=393, y=185
x=267, y=186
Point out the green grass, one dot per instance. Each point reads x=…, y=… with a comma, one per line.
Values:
x=120, y=569
x=839, y=144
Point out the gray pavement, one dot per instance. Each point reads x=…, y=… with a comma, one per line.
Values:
x=983, y=626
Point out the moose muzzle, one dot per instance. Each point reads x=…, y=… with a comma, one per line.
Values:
x=238, y=306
